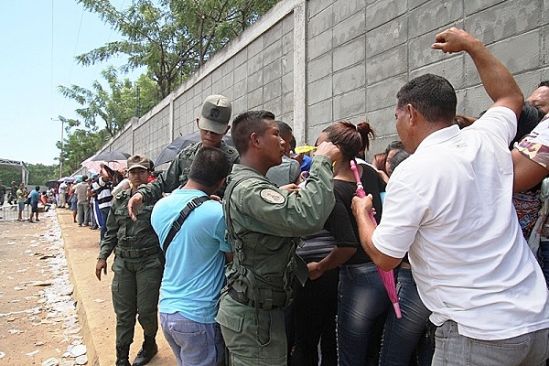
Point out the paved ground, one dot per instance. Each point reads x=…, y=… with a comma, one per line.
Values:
x=38, y=317
x=94, y=298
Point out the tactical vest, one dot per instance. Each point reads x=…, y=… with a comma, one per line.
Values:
x=265, y=268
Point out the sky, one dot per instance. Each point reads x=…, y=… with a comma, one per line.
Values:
x=38, y=49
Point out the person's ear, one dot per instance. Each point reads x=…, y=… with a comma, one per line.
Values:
x=254, y=140
x=413, y=114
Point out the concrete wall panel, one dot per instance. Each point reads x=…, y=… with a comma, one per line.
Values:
x=312, y=62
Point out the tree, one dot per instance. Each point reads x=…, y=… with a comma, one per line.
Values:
x=79, y=145
x=114, y=106
x=39, y=174
x=171, y=37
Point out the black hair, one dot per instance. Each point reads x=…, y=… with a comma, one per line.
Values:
x=529, y=118
x=394, y=145
x=285, y=129
x=544, y=83
x=247, y=123
x=432, y=95
x=209, y=166
x=37, y=188
x=395, y=160
x=84, y=178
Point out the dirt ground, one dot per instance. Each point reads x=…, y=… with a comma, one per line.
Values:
x=38, y=321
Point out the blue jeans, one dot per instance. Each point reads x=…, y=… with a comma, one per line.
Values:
x=193, y=343
x=543, y=255
x=453, y=349
x=413, y=332
x=362, y=301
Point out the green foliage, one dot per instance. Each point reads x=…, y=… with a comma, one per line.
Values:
x=39, y=174
x=80, y=145
x=9, y=174
x=114, y=105
x=171, y=37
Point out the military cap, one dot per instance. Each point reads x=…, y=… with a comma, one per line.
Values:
x=139, y=161
x=215, y=115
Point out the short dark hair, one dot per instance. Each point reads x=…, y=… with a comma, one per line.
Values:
x=209, y=166
x=395, y=160
x=245, y=124
x=285, y=129
x=37, y=188
x=432, y=95
x=544, y=83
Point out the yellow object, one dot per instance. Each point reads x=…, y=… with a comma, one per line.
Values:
x=304, y=149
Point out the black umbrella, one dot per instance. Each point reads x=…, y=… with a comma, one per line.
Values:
x=176, y=146
x=110, y=156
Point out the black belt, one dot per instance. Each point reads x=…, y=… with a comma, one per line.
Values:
x=135, y=253
x=278, y=300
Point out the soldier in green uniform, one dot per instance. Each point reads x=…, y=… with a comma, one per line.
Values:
x=138, y=266
x=213, y=124
x=263, y=224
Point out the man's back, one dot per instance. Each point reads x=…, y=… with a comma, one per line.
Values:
x=193, y=274
x=81, y=190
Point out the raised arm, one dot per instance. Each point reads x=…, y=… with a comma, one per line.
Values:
x=497, y=80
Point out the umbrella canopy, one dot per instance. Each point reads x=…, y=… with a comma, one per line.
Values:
x=176, y=146
x=66, y=179
x=113, y=155
x=95, y=165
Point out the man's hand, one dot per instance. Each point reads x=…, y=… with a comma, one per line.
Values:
x=329, y=150
x=362, y=206
x=290, y=187
x=133, y=205
x=454, y=40
x=314, y=270
x=101, y=265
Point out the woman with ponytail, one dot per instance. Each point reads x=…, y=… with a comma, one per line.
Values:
x=362, y=299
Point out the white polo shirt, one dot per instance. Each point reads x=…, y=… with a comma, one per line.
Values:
x=449, y=205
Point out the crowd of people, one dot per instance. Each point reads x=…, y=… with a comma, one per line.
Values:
x=255, y=255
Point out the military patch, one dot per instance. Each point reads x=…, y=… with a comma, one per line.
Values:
x=272, y=196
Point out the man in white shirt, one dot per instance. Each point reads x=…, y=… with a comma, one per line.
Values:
x=449, y=205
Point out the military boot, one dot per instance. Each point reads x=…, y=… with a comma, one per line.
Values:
x=122, y=354
x=147, y=352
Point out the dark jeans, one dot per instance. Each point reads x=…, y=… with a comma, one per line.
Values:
x=362, y=304
x=105, y=213
x=413, y=332
x=314, y=310
x=543, y=255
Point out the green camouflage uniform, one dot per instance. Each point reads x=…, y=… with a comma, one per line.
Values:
x=178, y=171
x=137, y=267
x=264, y=224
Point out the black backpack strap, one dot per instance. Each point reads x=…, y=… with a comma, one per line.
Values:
x=185, y=212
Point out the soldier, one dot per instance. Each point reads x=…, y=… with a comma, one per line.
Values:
x=213, y=124
x=137, y=267
x=264, y=223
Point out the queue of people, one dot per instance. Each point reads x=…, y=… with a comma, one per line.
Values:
x=302, y=255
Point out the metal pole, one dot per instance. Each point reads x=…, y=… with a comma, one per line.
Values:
x=61, y=155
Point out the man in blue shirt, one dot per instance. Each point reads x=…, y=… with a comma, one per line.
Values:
x=194, y=270
x=34, y=198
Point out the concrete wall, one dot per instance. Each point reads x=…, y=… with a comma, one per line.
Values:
x=318, y=61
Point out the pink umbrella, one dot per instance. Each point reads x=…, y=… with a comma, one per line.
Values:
x=387, y=277
x=95, y=165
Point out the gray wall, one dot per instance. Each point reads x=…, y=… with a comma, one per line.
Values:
x=318, y=61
